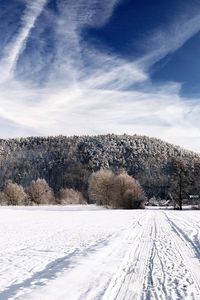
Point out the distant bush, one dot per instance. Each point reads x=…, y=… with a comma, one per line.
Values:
x=14, y=194
x=70, y=196
x=117, y=191
x=40, y=192
x=99, y=187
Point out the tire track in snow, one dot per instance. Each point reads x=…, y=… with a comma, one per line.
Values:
x=169, y=273
x=151, y=258
x=188, y=229
x=115, y=252
x=188, y=251
x=96, y=253
x=127, y=282
x=150, y=290
x=54, y=268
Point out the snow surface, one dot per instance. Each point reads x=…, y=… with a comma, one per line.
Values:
x=90, y=253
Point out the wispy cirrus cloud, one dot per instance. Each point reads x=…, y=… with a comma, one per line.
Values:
x=166, y=41
x=14, y=48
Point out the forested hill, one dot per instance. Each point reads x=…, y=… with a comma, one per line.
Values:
x=68, y=161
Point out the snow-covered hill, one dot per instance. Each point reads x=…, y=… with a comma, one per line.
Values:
x=68, y=161
x=90, y=253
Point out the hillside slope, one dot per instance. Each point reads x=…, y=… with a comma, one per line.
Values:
x=68, y=161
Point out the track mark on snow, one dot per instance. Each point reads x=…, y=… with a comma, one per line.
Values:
x=127, y=282
x=189, y=252
x=169, y=273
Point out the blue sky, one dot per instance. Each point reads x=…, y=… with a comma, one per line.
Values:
x=96, y=66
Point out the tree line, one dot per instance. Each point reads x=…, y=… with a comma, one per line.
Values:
x=66, y=163
x=104, y=188
x=38, y=193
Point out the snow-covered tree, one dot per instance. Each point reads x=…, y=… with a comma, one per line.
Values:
x=40, y=192
x=99, y=186
x=127, y=192
x=14, y=194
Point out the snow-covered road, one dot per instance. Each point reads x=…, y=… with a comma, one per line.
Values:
x=88, y=253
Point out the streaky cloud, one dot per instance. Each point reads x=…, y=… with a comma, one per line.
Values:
x=168, y=40
x=13, y=49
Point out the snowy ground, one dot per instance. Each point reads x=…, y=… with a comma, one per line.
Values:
x=87, y=253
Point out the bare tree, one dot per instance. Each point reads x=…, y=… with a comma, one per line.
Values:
x=14, y=194
x=99, y=186
x=179, y=182
x=116, y=190
x=127, y=192
x=40, y=192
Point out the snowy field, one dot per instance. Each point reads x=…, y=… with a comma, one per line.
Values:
x=88, y=253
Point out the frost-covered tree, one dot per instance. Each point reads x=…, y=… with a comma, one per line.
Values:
x=99, y=186
x=14, y=194
x=40, y=192
x=126, y=192
x=116, y=191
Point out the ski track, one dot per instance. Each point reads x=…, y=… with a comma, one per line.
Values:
x=173, y=269
x=86, y=253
